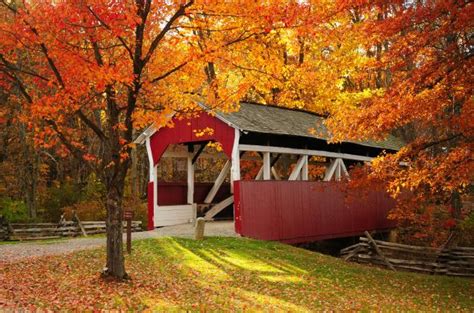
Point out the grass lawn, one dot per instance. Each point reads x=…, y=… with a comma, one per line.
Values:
x=225, y=274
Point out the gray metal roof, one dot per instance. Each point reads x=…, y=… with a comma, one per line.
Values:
x=282, y=121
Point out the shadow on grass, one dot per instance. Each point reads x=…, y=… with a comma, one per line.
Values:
x=238, y=273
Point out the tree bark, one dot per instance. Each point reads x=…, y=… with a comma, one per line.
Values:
x=115, y=266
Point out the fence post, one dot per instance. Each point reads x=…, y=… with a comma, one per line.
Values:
x=78, y=221
x=374, y=244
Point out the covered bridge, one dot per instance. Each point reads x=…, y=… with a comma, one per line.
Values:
x=284, y=201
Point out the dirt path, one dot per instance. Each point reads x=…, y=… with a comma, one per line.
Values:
x=13, y=252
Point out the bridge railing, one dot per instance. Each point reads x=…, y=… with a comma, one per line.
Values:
x=302, y=211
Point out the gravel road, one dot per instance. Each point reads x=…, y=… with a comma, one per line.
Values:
x=14, y=252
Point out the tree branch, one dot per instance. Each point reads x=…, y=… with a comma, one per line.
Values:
x=120, y=38
x=180, y=12
x=163, y=76
x=91, y=125
x=12, y=67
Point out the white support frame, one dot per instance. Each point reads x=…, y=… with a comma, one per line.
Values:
x=219, y=207
x=275, y=174
x=218, y=183
x=266, y=166
x=190, y=172
x=330, y=170
x=344, y=169
x=284, y=150
x=235, y=159
x=298, y=167
x=153, y=169
x=304, y=170
x=336, y=169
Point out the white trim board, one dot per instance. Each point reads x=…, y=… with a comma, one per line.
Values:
x=173, y=215
x=284, y=150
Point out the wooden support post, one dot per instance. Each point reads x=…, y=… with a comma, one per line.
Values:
x=218, y=183
x=275, y=174
x=153, y=178
x=297, y=169
x=304, y=170
x=266, y=166
x=379, y=252
x=219, y=207
x=235, y=167
x=259, y=174
x=338, y=170
x=330, y=171
x=198, y=153
x=190, y=179
x=79, y=223
x=344, y=169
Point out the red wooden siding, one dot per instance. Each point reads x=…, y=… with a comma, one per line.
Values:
x=151, y=209
x=183, y=131
x=177, y=192
x=300, y=211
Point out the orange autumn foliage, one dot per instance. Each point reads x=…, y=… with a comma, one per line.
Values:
x=89, y=73
x=421, y=79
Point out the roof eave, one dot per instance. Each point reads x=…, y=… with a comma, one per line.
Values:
x=219, y=117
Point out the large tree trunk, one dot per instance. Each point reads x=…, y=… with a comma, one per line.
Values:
x=115, y=260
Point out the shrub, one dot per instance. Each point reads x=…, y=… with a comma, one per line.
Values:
x=13, y=210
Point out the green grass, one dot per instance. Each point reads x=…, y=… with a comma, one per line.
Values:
x=230, y=274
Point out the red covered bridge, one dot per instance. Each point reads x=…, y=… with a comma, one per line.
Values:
x=295, y=195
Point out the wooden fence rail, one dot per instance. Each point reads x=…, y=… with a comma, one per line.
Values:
x=35, y=231
x=456, y=261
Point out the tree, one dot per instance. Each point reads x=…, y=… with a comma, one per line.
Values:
x=420, y=85
x=90, y=72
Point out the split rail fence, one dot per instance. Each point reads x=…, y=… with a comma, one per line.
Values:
x=39, y=231
x=455, y=261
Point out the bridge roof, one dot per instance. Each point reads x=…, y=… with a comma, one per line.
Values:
x=283, y=121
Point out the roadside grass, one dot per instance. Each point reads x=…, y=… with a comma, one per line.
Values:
x=225, y=274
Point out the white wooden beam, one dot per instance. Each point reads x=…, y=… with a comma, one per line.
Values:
x=275, y=174
x=344, y=169
x=266, y=166
x=235, y=159
x=219, y=207
x=259, y=174
x=190, y=179
x=304, y=170
x=330, y=170
x=284, y=150
x=153, y=177
x=338, y=169
x=150, y=158
x=297, y=169
x=218, y=183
